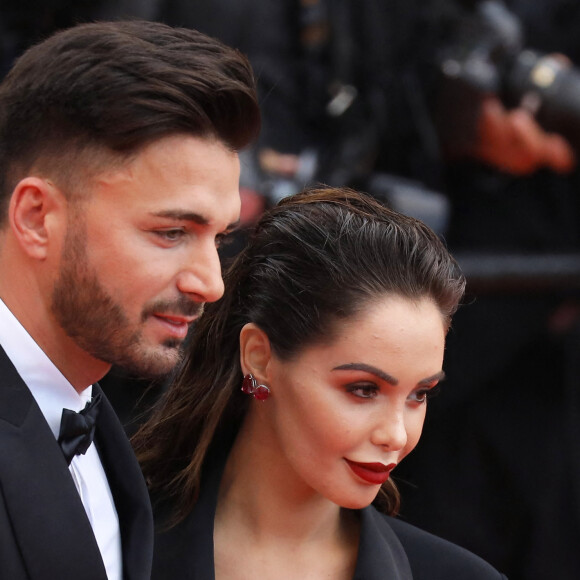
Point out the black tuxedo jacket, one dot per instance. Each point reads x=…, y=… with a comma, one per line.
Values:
x=389, y=549
x=44, y=531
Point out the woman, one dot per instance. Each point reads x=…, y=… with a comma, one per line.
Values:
x=303, y=388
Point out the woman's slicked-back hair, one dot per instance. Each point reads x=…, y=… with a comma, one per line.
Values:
x=316, y=258
x=324, y=254
x=117, y=86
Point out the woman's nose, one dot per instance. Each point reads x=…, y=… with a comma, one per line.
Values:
x=390, y=431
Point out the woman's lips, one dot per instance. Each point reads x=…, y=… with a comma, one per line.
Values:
x=373, y=473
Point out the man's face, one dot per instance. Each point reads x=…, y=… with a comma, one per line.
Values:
x=140, y=255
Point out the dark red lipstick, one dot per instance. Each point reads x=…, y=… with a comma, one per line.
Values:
x=373, y=473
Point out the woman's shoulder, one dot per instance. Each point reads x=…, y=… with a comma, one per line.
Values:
x=430, y=556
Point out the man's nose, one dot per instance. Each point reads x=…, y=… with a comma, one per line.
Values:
x=202, y=275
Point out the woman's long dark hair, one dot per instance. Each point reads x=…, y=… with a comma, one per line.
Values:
x=316, y=258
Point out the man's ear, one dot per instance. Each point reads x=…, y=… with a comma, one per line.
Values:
x=255, y=351
x=35, y=208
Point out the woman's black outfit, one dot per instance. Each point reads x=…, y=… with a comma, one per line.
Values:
x=389, y=548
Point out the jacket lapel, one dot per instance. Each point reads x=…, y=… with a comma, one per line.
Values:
x=129, y=492
x=46, y=514
x=380, y=554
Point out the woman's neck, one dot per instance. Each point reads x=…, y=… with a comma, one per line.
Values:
x=262, y=503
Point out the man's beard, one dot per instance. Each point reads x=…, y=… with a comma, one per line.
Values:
x=99, y=325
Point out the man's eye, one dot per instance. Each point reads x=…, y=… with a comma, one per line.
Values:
x=221, y=239
x=170, y=235
x=364, y=390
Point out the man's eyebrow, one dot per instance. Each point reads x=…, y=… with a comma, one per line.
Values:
x=233, y=226
x=190, y=216
x=368, y=369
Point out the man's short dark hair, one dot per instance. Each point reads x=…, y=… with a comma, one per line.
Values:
x=115, y=87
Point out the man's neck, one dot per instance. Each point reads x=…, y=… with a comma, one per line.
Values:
x=77, y=366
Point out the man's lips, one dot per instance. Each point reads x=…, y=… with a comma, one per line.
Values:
x=176, y=319
x=373, y=473
x=176, y=325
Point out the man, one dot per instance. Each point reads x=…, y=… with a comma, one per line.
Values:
x=118, y=177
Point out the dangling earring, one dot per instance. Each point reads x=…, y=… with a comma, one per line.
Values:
x=250, y=387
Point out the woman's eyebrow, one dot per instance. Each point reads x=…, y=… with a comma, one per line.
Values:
x=434, y=378
x=368, y=369
x=385, y=376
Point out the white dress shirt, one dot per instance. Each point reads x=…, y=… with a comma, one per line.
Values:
x=53, y=393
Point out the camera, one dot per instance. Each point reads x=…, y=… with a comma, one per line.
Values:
x=488, y=56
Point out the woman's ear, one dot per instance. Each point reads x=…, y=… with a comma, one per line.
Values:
x=33, y=211
x=255, y=351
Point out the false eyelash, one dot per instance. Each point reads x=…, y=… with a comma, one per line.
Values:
x=433, y=391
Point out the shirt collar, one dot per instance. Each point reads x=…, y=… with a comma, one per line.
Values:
x=48, y=386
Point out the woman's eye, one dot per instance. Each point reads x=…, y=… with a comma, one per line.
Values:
x=364, y=391
x=419, y=396
x=422, y=395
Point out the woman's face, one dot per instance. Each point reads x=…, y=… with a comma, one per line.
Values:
x=345, y=414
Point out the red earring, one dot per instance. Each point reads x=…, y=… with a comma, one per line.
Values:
x=251, y=387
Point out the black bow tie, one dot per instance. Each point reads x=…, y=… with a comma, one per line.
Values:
x=78, y=429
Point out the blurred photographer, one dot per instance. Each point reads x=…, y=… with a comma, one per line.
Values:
x=336, y=113
x=485, y=66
